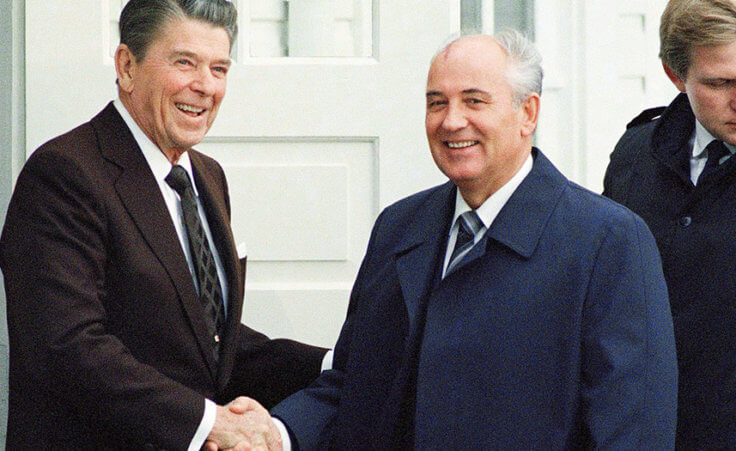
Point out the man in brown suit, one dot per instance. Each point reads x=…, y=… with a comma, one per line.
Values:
x=124, y=292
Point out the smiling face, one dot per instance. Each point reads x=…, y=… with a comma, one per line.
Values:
x=478, y=137
x=710, y=85
x=174, y=92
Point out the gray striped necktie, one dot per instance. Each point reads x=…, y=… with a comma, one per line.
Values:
x=468, y=225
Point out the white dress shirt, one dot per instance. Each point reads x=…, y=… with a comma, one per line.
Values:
x=698, y=142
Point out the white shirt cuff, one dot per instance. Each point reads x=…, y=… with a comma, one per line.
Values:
x=285, y=439
x=206, y=425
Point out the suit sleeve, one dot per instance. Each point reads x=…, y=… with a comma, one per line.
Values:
x=54, y=259
x=310, y=414
x=629, y=374
x=269, y=370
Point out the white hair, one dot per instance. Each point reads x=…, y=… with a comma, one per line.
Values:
x=524, y=73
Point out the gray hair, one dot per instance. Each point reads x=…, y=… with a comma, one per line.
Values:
x=524, y=72
x=141, y=21
x=525, y=64
x=692, y=23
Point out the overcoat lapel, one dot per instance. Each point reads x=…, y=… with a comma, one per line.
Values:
x=520, y=223
x=418, y=251
x=670, y=145
x=139, y=192
x=210, y=191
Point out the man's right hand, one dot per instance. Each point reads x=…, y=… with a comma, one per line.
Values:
x=243, y=425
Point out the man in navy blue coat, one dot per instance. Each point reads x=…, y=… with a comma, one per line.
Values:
x=548, y=328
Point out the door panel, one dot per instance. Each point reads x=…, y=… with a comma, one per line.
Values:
x=313, y=146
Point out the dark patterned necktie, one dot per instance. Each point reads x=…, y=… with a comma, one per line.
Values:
x=210, y=292
x=468, y=225
x=716, y=150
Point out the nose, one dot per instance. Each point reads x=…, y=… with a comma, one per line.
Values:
x=204, y=82
x=454, y=118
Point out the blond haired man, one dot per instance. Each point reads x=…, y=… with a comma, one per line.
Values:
x=673, y=167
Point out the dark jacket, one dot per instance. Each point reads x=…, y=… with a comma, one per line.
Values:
x=695, y=229
x=108, y=347
x=554, y=331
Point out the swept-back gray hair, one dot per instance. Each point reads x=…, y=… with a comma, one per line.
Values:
x=525, y=64
x=524, y=72
x=141, y=21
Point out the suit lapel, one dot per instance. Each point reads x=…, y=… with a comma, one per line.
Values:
x=419, y=252
x=211, y=189
x=140, y=193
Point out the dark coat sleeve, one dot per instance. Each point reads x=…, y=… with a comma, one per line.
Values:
x=270, y=370
x=629, y=379
x=310, y=414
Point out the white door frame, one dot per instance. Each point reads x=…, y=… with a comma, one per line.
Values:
x=12, y=150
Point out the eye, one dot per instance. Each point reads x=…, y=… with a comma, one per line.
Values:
x=434, y=105
x=474, y=101
x=184, y=62
x=220, y=70
x=718, y=83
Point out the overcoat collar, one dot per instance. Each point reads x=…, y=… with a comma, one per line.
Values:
x=671, y=147
x=421, y=247
x=671, y=137
x=518, y=226
x=521, y=222
x=139, y=192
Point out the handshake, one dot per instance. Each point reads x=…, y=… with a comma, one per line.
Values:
x=243, y=425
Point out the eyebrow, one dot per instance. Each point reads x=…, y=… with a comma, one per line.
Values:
x=188, y=54
x=465, y=91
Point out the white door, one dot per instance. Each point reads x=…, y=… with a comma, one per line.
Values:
x=622, y=74
x=313, y=144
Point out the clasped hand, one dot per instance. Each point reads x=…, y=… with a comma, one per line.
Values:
x=243, y=425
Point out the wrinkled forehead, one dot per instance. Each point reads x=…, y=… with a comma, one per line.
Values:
x=474, y=61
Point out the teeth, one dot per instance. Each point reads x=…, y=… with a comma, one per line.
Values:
x=189, y=108
x=461, y=144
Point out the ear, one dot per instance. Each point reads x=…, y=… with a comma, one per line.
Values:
x=529, y=109
x=678, y=82
x=125, y=66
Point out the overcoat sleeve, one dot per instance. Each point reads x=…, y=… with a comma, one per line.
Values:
x=629, y=373
x=309, y=414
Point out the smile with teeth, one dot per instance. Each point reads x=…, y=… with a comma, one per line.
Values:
x=189, y=108
x=460, y=144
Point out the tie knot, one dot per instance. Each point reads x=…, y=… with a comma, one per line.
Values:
x=716, y=150
x=179, y=180
x=470, y=221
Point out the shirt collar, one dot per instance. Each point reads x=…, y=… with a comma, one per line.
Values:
x=160, y=165
x=489, y=209
x=702, y=138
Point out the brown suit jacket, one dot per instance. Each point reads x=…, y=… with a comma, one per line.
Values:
x=108, y=348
